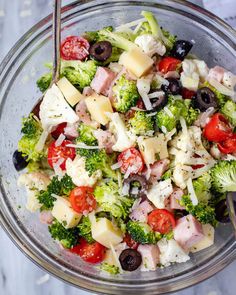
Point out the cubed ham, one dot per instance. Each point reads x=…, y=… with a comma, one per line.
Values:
x=172, y=74
x=71, y=131
x=140, y=213
x=188, y=231
x=87, y=91
x=216, y=73
x=81, y=111
x=175, y=197
x=46, y=217
x=102, y=81
x=150, y=257
x=105, y=139
x=158, y=169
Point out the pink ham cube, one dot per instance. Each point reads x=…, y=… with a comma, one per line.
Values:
x=150, y=256
x=141, y=212
x=175, y=197
x=216, y=73
x=102, y=81
x=188, y=231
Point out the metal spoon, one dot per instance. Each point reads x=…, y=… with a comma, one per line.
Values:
x=230, y=200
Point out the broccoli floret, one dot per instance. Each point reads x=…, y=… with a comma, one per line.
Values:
x=202, y=187
x=229, y=110
x=111, y=269
x=223, y=176
x=44, y=82
x=142, y=233
x=221, y=98
x=67, y=237
x=142, y=124
x=203, y=212
x=190, y=114
x=58, y=187
x=167, y=175
x=171, y=38
x=109, y=199
x=32, y=130
x=85, y=229
x=125, y=93
x=86, y=135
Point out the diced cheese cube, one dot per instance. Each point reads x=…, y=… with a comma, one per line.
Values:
x=98, y=106
x=63, y=212
x=104, y=232
x=208, y=239
x=190, y=82
x=159, y=192
x=136, y=61
x=71, y=94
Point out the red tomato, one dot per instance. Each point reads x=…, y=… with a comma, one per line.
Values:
x=74, y=47
x=168, y=64
x=161, y=220
x=228, y=146
x=56, y=153
x=59, y=130
x=130, y=242
x=82, y=199
x=187, y=94
x=92, y=253
x=131, y=112
x=217, y=129
x=131, y=159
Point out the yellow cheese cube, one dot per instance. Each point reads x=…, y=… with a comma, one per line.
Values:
x=98, y=106
x=207, y=241
x=71, y=94
x=104, y=232
x=136, y=61
x=63, y=212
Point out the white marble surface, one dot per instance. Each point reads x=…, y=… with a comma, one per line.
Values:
x=18, y=275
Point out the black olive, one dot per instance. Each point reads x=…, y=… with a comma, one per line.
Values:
x=130, y=259
x=19, y=161
x=174, y=86
x=159, y=102
x=141, y=182
x=181, y=48
x=204, y=99
x=101, y=51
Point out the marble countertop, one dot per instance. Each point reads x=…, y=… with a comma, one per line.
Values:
x=18, y=275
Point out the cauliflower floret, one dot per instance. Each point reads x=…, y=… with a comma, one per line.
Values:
x=80, y=177
x=180, y=175
x=124, y=138
x=33, y=182
x=150, y=45
x=55, y=110
x=159, y=192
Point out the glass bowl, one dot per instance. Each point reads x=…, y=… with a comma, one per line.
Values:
x=214, y=42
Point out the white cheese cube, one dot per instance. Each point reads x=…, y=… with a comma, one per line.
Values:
x=159, y=192
x=98, y=106
x=71, y=94
x=207, y=241
x=104, y=232
x=64, y=213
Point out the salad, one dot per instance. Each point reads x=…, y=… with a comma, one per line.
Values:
x=131, y=153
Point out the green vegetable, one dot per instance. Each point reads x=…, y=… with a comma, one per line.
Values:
x=44, y=82
x=203, y=212
x=221, y=98
x=142, y=233
x=67, y=237
x=202, y=186
x=190, y=114
x=111, y=269
x=109, y=199
x=86, y=135
x=171, y=39
x=142, y=124
x=85, y=229
x=229, y=110
x=223, y=176
x=125, y=93
x=58, y=187
x=167, y=175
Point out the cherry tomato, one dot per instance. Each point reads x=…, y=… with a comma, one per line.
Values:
x=74, y=47
x=168, y=64
x=131, y=159
x=161, y=220
x=130, y=242
x=217, y=129
x=187, y=94
x=92, y=253
x=62, y=151
x=58, y=130
x=82, y=199
x=228, y=146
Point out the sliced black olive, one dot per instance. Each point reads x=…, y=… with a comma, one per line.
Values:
x=19, y=161
x=204, y=99
x=181, y=48
x=101, y=51
x=159, y=102
x=130, y=259
x=138, y=181
x=174, y=86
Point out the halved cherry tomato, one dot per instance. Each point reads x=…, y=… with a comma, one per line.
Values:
x=161, y=220
x=217, y=129
x=92, y=253
x=228, y=146
x=82, y=199
x=62, y=151
x=131, y=159
x=187, y=94
x=58, y=130
x=130, y=242
x=168, y=64
x=74, y=47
